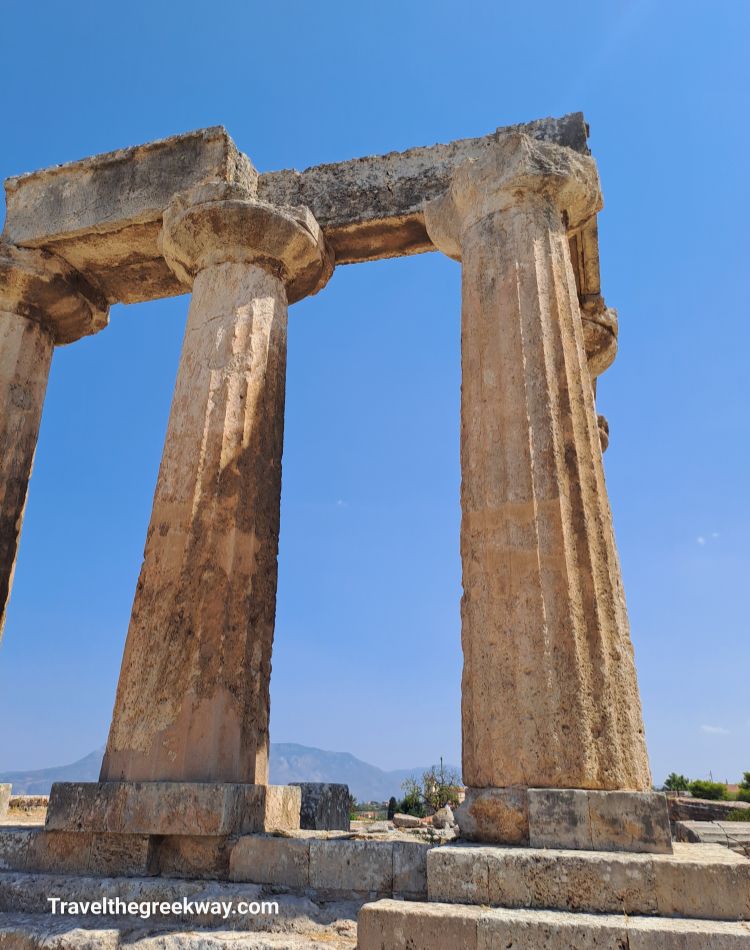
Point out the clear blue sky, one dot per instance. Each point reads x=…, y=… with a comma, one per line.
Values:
x=367, y=656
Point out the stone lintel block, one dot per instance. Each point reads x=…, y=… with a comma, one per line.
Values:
x=599, y=821
x=369, y=208
x=269, y=859
x=325, y=806
x=172, y=808
x=339, y=867
x=5, y=790
x=495, y=815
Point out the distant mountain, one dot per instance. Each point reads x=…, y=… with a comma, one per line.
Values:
x=289, y=763
x=38, y=782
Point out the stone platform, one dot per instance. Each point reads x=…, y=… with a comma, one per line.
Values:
x=696, y=881
x=408, y=892
x=172, y=808
x=320, y=865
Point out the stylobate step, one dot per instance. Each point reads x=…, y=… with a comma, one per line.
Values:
x=697, y=880
x=393, y=925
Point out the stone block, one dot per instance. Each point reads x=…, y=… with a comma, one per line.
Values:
x=267, y=859
x=495, y=815
x=630, y=821
x=410, y=868
x=344, y=866
x=599, y=821
x=698, y=881
x=598, y=882
x=281, y=810
x=5, y=790
x=559, y=818
x=500, y=928
x=14, y=844
x=117, y=855
x=201, y=857
x=406, y=821
x=703, y=880
x=325, y=806
x=59, y=852
x=63, y=852
x=171, y=808
x=393, y=925
x=657, y=933
x=458, y=874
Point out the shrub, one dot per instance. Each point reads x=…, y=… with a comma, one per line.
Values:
x=738, y=814
x=392, y=807
x=714, y=791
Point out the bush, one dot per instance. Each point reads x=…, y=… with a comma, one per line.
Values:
x=738, y=814
x=713, y=791
x=392, y=807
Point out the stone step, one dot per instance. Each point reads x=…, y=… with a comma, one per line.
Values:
x=393, y=925
x=172, y=902
x=697, y=880
x=330, y=865
x=39, y=932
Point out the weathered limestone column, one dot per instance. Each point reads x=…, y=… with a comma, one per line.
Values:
x=193, y=696
x=42, y=302
x=550, y=698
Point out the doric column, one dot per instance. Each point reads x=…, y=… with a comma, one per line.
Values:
x=192, y=701
x=43, y=301
x=550, y=698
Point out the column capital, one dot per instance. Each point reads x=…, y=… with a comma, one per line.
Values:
x=600, y=326
x=220, y=222
x=514, y=168
x=46, y=289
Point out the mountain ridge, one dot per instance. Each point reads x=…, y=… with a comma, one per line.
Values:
x=289, y=762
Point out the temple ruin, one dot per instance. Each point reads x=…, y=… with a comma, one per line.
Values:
x=554, y=755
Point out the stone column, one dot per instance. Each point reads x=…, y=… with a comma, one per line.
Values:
x=192, y=701
x=42, y=302
x=550, y=698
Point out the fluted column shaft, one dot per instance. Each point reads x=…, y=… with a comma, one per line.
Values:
x=550, y=696
x=25, y=357
x=192, y=701
x=43, y=302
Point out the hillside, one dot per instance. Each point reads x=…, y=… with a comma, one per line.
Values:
x=289, y=763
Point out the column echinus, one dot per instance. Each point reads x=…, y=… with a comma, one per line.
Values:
x=551, y=714
x=192, y=701
x=43, y=302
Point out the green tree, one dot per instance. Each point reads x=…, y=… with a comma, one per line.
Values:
x=412, y=803
x=714, y=791
x=743, y=795
x=441, y=786
x=392, y=806
x=677, y=783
